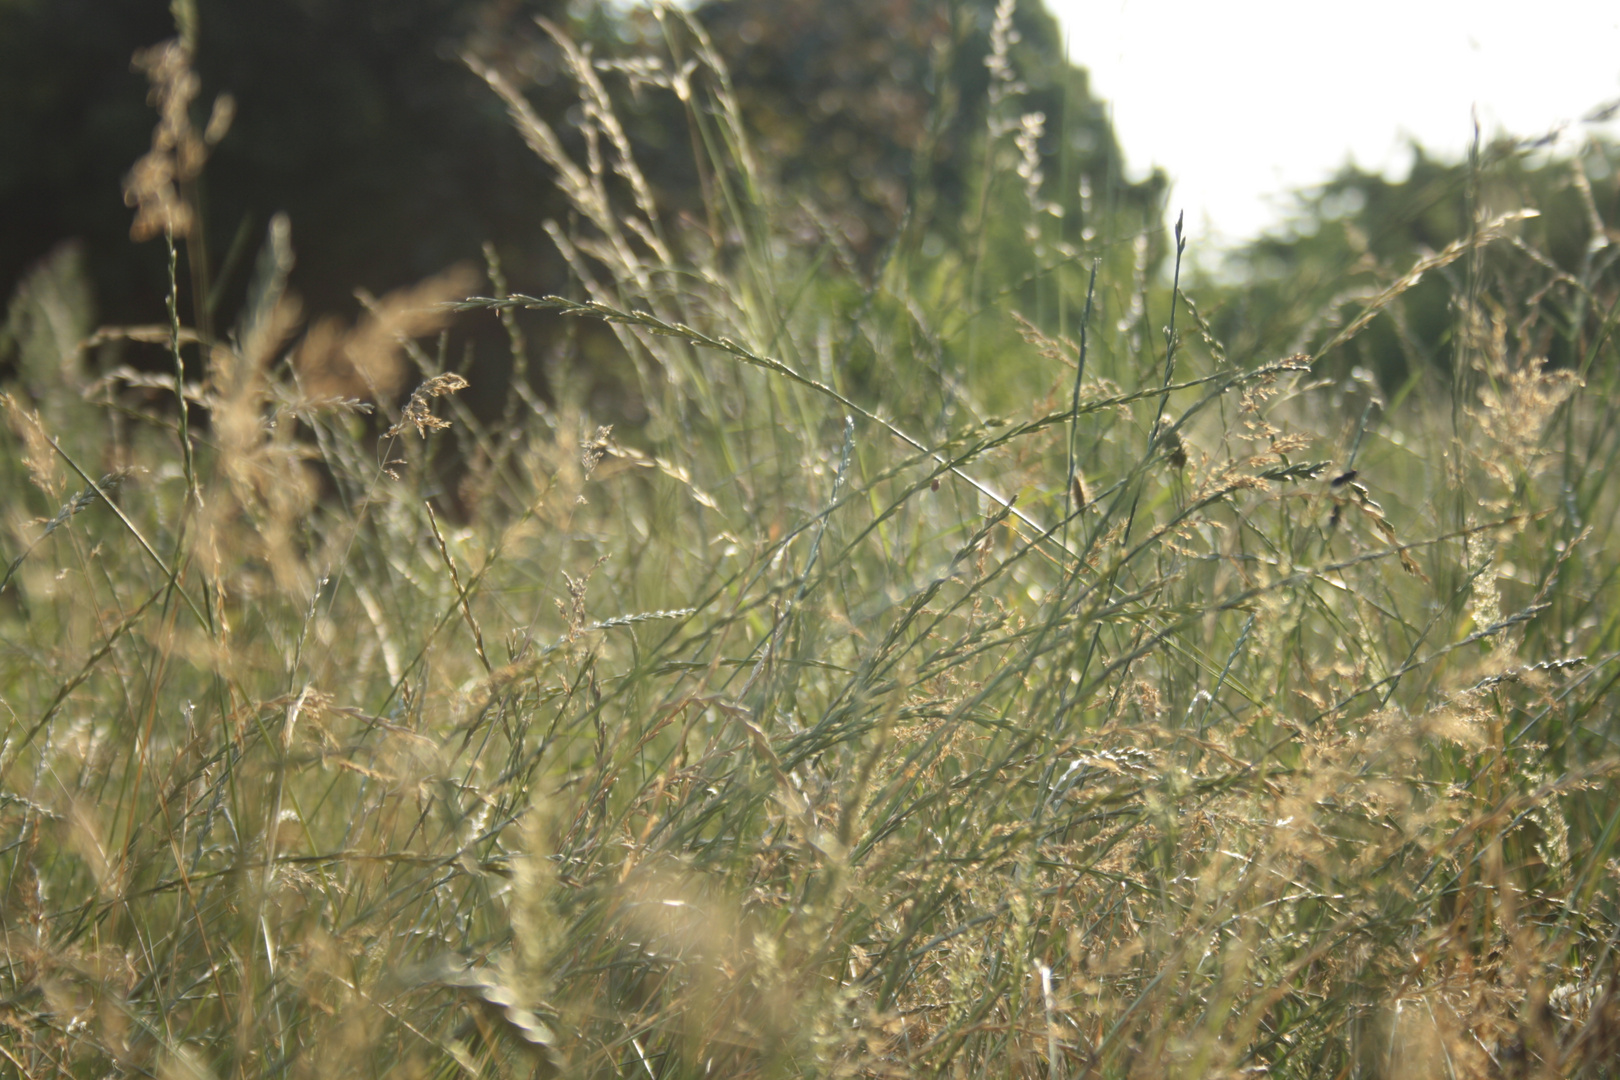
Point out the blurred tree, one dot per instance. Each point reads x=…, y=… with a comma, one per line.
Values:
x=964, y=120
x=1361, y=232
x=357, y=118
x=75, y=119
x=869, y=108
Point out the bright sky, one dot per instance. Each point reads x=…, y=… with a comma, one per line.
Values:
x=1241, y=101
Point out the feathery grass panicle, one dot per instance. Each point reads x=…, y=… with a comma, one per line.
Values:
x=418, y=411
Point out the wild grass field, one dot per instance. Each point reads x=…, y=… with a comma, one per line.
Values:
x=965, y=666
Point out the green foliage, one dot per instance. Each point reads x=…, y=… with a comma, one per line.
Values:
x=363, y=124
x=75, y=118
x=1359, y=233
x=872, y=109
x=358, y=120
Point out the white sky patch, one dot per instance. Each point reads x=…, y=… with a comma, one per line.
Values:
x=1243, y=101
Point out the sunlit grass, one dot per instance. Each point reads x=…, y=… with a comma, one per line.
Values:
x=1196, y=717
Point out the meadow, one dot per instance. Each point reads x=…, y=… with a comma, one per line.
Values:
x=962, y=665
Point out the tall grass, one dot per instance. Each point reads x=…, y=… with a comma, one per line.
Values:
x=1195, y=717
